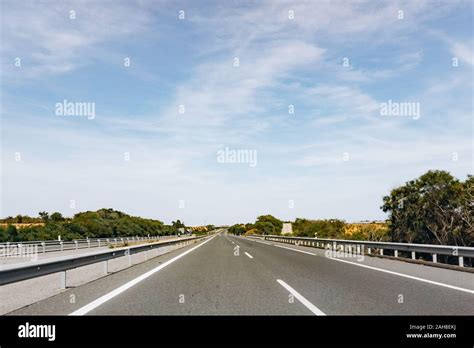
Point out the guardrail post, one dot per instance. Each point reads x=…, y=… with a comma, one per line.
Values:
x=435, y=258
x=129, y=258
x=98, y=240
x=43, y=244
x=62, y=280
x=106, y=267
x=358, y=249
x=461, y=261
x=368, y=251
x=89, y=243
x=77, y=246
x=62, y=245
x=413, y=255
x=381, y=252
x=395, y=253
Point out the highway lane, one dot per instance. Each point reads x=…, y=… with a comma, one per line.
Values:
x=77, y=296
x=217, y=278
x=231, y=275
x=458, y=278
x=347, y=289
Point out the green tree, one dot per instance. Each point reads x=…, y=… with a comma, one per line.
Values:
x=268, y=224
x=330, y=228
x=56, y=217
x=178, y=224
x=44, y=216
x=237, y=229
x=12, y=233
x=3, y=235
x=435, y=208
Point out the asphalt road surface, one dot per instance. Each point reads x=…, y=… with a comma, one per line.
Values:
x=228, y=275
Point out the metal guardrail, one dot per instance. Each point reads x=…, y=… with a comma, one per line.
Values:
x=17, y=248
x=18, y=272
x=358, y=246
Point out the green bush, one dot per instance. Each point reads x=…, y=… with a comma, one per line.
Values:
x=103, y=223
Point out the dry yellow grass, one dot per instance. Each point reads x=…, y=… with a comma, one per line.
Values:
x=249, y=232
x=23, y=225
x=371, y=231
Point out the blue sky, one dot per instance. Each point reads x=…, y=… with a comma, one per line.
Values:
x=336, y=156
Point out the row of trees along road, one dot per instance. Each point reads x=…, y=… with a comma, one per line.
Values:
x=103, y=223
x=435, y=208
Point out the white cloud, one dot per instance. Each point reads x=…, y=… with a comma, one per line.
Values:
x=343, y=102
x=281, y=61
x=464, y=52
x=49, y=42
x=220, y=92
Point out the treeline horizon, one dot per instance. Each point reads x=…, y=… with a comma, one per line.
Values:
x=435, y=208
x=103, y=223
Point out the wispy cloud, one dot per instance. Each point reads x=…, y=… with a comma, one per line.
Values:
x=464, y=52
x=58, y=37
x=185, y=97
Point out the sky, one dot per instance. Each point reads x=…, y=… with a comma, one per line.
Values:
x=297, y=86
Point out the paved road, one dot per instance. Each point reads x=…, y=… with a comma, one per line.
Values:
x=232, y=275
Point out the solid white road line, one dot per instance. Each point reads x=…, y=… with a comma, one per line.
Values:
x=301, y=251
x=386, y=271
x=101, y=300
x=300, y=298
x=250, y=256
x=407, y=276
